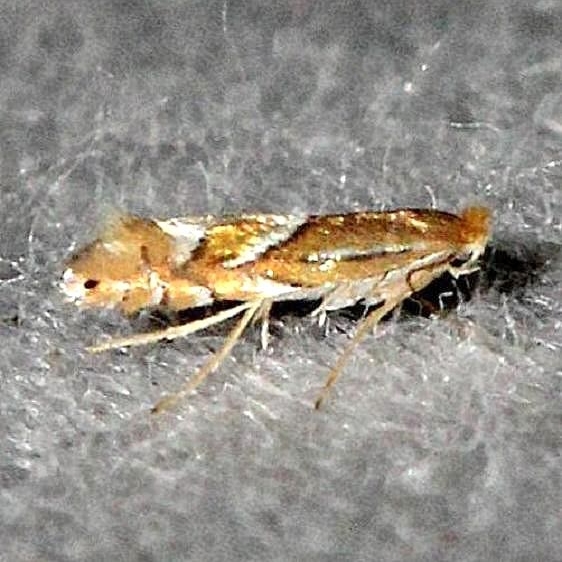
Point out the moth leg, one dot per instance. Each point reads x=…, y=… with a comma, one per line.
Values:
x=212, y=364
x=465, y=269
x=331, y=300
x=368, y=323
x=322, y=317
x=470, y=266
x=347, y=294
x=441, y=297
x=421, y=278
x=172, y=332
x=263, y=315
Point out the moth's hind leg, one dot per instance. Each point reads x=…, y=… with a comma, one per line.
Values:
x=213, y=363
x=171, y=332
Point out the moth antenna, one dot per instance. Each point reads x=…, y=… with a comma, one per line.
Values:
x=212, y=364
x=372, y=319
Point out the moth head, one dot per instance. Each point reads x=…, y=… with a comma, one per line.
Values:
x=475, y=229
x=121, y=268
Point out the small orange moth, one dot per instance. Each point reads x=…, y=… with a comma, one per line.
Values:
x=378, y=258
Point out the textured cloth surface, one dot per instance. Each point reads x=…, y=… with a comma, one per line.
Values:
x=442, y=439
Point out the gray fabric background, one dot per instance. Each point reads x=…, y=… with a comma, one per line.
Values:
x=442, y=440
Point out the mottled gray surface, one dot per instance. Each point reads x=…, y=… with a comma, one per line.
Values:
x=442, y=441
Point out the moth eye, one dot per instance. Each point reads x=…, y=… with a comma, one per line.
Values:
x=90, y=284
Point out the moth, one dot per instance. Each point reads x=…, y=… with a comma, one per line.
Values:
x=255, y=260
